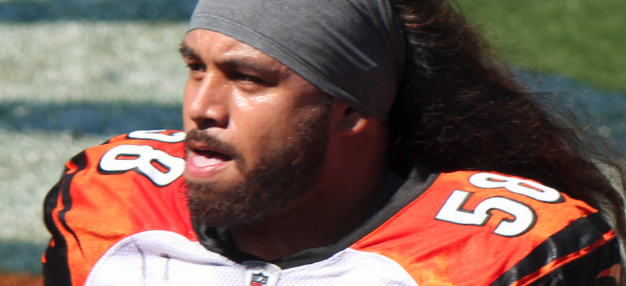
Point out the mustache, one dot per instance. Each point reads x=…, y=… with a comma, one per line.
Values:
x=213, y=142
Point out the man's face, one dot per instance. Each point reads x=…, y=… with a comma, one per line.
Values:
x=257, y=131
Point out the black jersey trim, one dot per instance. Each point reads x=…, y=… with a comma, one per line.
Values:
x=585, y=270
x=397, y=195
x=56, y=269
x=80, y=161
x=578, y=235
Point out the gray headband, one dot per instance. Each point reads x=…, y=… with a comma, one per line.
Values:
x=352, y=50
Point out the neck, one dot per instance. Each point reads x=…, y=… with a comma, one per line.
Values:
x=338, y=205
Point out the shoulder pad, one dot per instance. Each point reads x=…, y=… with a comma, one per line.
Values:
x=472, y=228
x=129, y=184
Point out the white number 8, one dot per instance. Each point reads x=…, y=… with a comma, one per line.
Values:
x=156, y=136
x=144, y=163
x=523, y=187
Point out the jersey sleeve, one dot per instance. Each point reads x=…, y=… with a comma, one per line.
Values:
x=586, y=252
x=478, y=228
x=130, y=184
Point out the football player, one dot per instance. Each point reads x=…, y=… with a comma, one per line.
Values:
x=339, y=142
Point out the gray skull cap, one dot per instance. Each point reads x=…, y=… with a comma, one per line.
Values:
x=352, y=50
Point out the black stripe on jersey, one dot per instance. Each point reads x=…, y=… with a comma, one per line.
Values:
x=583, y=271
x=579, y=234
x=80, y=161
x=56, y=270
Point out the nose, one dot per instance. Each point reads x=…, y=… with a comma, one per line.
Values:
x=205, y=104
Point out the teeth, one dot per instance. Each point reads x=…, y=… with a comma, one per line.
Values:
x=202, y=161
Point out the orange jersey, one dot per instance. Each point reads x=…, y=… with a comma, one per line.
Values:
x=119, y=216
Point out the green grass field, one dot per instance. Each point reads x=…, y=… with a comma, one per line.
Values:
x=583, y=39
x=74, y=72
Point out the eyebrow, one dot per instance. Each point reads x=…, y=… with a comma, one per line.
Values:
x=241, y=63
x=234, y=62
x=187, y=52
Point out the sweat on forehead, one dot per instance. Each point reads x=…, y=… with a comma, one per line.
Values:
x=352, y=50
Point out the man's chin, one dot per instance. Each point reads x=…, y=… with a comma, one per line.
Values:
x=208, y=188
x=221, y=206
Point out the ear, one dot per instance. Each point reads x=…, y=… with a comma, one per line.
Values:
x=351, y=121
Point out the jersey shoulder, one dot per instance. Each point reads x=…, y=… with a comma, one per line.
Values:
x=511, y=230
x=129, y=184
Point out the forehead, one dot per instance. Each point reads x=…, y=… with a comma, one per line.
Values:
x=209, y=44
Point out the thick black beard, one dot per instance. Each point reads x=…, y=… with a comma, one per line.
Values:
x=281, y=177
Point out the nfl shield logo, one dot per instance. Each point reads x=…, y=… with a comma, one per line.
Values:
x=259, y=273
x=259, y=280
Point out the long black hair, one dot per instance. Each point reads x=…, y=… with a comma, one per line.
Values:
x=459, y=108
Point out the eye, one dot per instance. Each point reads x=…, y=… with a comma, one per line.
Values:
x=244, y=77
x=196, y=67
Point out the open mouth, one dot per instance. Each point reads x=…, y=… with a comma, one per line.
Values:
x=207, y=158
